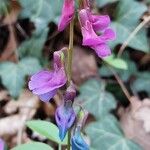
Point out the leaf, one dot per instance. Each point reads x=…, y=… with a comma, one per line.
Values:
x=93, y=93
x=12, y=78
x=125, y=23
x=104, y=71
x=13, y=75
x=4, y=4
x=33, y=146
x=107, y=135
x=47, y=129
x=34, y=45
x=116, y=62
x=29, y=65
x=101, y=3
x=142, y=83
x=41, y=11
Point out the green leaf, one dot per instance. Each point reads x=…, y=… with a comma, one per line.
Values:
x=4, y=6
x=41, y=11
x=29, y=65
x=33, y=146
x=93, y=93
x=101, y=3
x=107, y=135
x=116, y=62
x=104, y=71
x=127, y=18
x=142, y=83
x=47, y=129
x=12, y=78
x=34, y=45
x=13, y=75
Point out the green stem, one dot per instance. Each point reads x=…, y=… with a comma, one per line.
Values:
x=70, y=52
x=59, y=147
x=69, y=138
x=69, y=68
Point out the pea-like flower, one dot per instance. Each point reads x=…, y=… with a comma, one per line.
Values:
x=65, y=117
x=2, y=144
x=78, y=142
x=67, y=14
x=90, y=24
x=46, y=83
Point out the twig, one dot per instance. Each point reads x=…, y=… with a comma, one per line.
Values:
x=124, y=89
x=131, y=36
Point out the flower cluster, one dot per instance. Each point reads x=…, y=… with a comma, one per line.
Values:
x=95, y=28
x=96, y=34
x=90, y=24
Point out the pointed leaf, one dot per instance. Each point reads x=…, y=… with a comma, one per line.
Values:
x=109, y=136
x=47, y=129
x=93, y=93
x=33, y=146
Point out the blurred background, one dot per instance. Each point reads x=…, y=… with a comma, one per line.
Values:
x=28, y=38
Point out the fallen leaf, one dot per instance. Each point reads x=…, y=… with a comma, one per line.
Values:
x=135, y=122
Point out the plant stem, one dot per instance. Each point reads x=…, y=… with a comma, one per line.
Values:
x=69, y=68
x=70, y=52
x=124, y=89
x=69, y=138
x=59, y=146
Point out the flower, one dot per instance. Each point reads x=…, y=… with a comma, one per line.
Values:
x=90, y=24
x=65, y=117
x=46, y=83
x=2, y=144
x=67, y=14
x=78, y=142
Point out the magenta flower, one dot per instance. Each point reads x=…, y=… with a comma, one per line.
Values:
x=46, y=83
x=89, y=25
x=67, y=14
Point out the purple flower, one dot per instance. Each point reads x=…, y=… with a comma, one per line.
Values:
x=46, y=83
x=67, y=14
x=89, y=25
x=2, y=144
x=78, y=142
x=65, y=117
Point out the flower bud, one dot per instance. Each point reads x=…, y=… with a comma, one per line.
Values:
x=78, y=142
x=65, y=117
x=70, y=92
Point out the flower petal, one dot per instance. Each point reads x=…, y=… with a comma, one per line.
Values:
x=108, y=34
x=67, y=14
x=100, y=22
x=40, y=79
x=102, y=50
x=47, y=96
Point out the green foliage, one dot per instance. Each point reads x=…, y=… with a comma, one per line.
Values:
x=101, y=3
x=13, y=75
x=127, y=17
x=34, y=45
x=47, y=129
x=33, y=146
x=4, y=4
x=142, y=83
x=93, y=93
x=107, y=135
x=104, y=71
x=41, y=11
x=116, y=62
